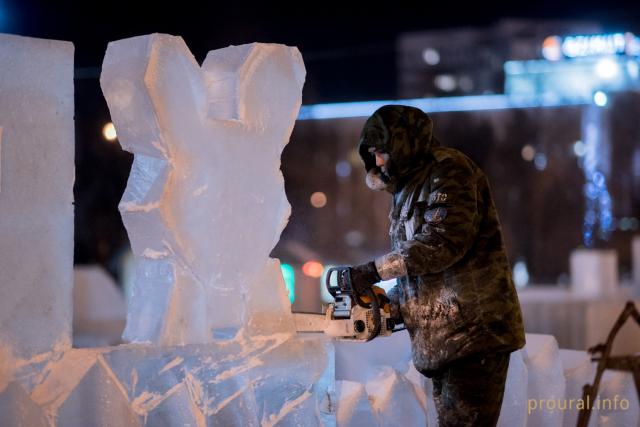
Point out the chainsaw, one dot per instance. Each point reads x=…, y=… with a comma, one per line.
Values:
x=352, y=315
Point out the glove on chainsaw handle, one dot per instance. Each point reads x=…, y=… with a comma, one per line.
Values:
x=363, y=276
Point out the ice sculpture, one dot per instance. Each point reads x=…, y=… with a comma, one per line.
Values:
x=545, y=378
x=36, y=195
x=514, y=402
x=205, y=201
x=99, y=309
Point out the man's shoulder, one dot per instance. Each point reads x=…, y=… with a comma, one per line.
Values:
x=454, y=157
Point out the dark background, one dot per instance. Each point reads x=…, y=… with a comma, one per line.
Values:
x=349, y=52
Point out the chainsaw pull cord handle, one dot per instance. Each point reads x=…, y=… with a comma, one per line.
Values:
x=377, y=321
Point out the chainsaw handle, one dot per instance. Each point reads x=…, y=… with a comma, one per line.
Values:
x=377, y=320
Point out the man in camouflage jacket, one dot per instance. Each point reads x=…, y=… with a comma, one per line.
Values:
x=454, y=290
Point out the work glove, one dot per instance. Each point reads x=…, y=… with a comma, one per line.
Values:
x=363, y=277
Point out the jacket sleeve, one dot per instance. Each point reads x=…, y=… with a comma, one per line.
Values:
x=449, y=225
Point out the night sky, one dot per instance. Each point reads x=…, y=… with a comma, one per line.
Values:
x=349, y=53
x=348, y=50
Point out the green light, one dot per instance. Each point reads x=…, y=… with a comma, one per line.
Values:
x=289, y=276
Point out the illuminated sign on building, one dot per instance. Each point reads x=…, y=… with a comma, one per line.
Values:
x=554, y=47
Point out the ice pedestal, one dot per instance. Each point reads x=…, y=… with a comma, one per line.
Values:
x=578, y=371
x=594, y=271
x=514, y=403
x=383, y=370
x=545, y=378
x=236, y=383
x=353, y=406
x=36, y=195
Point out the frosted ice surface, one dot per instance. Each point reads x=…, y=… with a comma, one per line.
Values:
x=514, y=403
x=614, y=387
x=545, y=377
x=36, y=194
x=265, y=380
x=97, y=401
x=394, y=400
x=18, y=410
x=578, y=371
x=205, y=201
x=177, y=409
x=394, y=351
x=99, y=309
x=353, y=407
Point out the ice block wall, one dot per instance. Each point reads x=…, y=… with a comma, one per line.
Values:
x=205, y=202
x=36, y=195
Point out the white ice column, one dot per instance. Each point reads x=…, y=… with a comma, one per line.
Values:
x=205, y=202
x=36, y=195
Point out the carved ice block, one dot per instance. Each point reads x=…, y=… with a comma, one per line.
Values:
x=594, y=271
x=36, y=195
x=545, y=381
x=205, y=202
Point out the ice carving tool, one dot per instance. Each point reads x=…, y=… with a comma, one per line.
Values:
x=352, y=315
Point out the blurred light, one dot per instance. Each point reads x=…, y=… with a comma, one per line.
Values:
x=289, y=275
x=465, y=83
x=596, y=44
x=318, y=199
x=354, y=157
x=445, y=82
x=579, y=149
x=591, y=192
x=312, y=269
x=635, y=168
x=624, y=224
x=431, y=56
x=109, y=132
x=600, y=98
x=540, y=161
x=528, y=153
x=354, y=238
x=343, y=110
x=520, y=274
x=633, y=223
x=343, y=169
x=598, y=179
x=607, y=68
x=551, y=48
x=632, y=69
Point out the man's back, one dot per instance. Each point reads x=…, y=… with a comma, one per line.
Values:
x=460, y=299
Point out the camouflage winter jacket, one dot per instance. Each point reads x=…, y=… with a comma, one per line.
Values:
x=454, y=288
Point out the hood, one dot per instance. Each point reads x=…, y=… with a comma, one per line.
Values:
x=406, y=134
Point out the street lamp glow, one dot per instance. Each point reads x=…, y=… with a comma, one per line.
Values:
x=313, y=269
x=607, y=68
x=600, y=98
x=528, y=153
x=109, y=132
x=318, y=199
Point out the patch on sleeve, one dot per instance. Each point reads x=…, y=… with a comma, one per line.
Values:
x=435, y=216
x=437, y=197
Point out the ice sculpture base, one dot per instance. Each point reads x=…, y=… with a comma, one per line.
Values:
x=280, y=379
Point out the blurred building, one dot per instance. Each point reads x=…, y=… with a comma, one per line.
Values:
x=550, y=116
x=469, y=61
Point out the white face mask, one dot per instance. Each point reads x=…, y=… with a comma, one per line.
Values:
x=374, y=180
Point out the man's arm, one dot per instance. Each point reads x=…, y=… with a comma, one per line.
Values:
x=451, y=222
